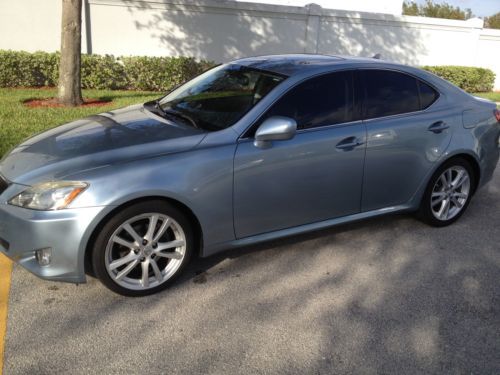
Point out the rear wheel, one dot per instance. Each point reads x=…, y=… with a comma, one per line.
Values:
x=448, y=194
x=143, y=248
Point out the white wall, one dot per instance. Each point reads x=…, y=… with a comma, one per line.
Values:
x=488, y=52
x=384, y=6
x=222, y=30
x=30, y=25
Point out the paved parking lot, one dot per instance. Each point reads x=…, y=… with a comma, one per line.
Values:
x=389, y=295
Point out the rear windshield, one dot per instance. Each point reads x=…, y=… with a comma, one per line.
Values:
x=220, y=97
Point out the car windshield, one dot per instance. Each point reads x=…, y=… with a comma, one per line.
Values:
x=220, y=97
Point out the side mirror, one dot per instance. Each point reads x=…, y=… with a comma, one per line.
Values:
x=276, y=128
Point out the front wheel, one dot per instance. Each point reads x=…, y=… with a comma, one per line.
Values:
x=448, y=194
x=143, y=248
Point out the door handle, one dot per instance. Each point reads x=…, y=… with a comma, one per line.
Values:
x=438, y=127
x=348, y=143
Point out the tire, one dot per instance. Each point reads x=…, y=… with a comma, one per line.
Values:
x=143, y=248
x=458, y=193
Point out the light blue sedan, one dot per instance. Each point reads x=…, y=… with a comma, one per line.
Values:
x=249, y=151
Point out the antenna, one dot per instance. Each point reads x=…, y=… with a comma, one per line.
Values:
x=377, y=56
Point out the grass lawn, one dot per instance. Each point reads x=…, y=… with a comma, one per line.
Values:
x=495, y=96
x=18, y=122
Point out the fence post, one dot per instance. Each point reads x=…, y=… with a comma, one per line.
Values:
x=476, y=26
x=86, y=28
x=314, y=12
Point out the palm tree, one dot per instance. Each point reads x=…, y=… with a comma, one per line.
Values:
x=69, y=87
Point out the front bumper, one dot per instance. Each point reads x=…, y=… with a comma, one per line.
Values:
x=66, y=232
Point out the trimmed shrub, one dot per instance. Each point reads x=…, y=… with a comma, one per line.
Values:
x=103, y=72
x=24, y=69
x=161, y=73
x=468, y=78
x=19, y=68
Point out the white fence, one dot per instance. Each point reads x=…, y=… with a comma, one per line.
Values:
x=223, y=30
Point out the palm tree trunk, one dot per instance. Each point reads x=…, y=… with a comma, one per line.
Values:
x=69, y=88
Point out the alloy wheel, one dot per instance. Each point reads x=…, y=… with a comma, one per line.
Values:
x=145, y=251
x=450, y=193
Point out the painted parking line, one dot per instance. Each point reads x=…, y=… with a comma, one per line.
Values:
x=5, y=272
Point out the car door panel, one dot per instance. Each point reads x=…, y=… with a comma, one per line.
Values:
x=300, y=181
x=404, y=141
x=400, y=153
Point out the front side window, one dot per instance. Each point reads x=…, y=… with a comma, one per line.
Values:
x=218, y=98
x=320, y=101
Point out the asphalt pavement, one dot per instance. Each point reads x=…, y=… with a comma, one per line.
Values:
x=384, y=296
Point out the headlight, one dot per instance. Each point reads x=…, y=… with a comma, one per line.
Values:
x=49, y=195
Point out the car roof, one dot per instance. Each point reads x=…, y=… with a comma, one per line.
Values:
x=301, y=66
x=293, y=64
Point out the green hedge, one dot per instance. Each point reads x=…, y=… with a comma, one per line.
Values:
x=470, y=79
x=24, y=69
x=103, y=73
x=28, y=69
x=161, y=73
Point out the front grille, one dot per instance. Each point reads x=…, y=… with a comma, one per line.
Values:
x=3, y=184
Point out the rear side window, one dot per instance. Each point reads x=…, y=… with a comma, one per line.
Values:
x=320, y=101
x=389, y=93
x=427, y=95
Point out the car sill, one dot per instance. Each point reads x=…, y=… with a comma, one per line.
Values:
x=213, y=249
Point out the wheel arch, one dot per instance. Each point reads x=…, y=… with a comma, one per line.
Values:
x=463, y=154
x=193, y=219
x=472, y=160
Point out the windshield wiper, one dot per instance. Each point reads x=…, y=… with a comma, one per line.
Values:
x=173, y=113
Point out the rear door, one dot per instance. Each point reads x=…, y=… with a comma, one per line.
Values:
x=406, y=136
x=315, y=176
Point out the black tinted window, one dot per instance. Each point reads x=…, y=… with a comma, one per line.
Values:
x=320, y=101
x=389, y=93
x=427, y=95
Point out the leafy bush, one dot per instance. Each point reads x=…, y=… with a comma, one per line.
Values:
x=18, y=68
x=470, y=79
x=24, y=69
x=103, y=72
x=161, y=73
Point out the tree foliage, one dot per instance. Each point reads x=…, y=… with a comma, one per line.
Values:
x=492, y=22
x=431, y=9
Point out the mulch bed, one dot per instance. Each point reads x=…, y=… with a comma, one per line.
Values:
x=53, y=103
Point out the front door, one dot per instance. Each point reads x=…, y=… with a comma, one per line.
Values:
x=315, y=176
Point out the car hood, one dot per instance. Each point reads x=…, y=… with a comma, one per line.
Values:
x=101, y=140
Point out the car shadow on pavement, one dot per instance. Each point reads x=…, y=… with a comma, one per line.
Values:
x=199, y=267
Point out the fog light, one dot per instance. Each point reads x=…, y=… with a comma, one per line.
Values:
x=44, y=256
